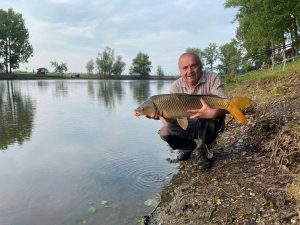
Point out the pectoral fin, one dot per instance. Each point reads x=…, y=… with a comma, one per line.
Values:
x=163, y=120
x=183, y=122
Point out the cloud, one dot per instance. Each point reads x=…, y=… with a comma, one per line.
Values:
x=76, y=30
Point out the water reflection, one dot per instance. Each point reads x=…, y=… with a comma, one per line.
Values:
x=43, y=85
x=110, y=92
x=61, y=88
x=16, y=113
x=160, y=85
x=140, y=90
x=91, y=88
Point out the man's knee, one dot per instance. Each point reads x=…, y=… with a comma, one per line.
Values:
x=164, y=133
x=176, y=139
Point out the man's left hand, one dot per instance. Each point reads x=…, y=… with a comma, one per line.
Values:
x=205, y=112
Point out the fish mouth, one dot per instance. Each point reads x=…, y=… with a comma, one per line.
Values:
x=137, y=114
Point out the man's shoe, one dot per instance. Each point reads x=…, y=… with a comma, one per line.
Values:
x=184, y=155
x=204, y=163
x=204, y=157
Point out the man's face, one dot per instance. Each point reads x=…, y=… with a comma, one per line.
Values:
x=190, y=69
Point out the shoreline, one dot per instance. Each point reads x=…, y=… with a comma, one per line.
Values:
x=77, y=76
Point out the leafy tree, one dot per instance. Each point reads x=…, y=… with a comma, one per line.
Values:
x=118, y=66
x=160, y=71
x=197, y=51
x=105, y=61
x=14, y=40
x=230, y=58
x=59, y=68
x=90, y=66
x=141, y=65
x=211, y=54
x=265, y=24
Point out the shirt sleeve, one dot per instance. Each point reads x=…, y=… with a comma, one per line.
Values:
x=217, y=87
x=175, y=87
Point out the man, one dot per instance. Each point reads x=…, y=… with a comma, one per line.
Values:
x=205, y=123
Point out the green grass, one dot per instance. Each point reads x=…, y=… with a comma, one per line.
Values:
x=268, y=73
x=254, y=78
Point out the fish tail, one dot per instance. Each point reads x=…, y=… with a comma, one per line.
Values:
x=236, y=107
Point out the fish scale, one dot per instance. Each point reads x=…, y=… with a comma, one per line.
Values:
x=176, y=105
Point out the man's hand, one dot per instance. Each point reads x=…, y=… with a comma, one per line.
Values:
x=206, y=112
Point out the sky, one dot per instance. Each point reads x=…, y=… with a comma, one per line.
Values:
x=76, y=31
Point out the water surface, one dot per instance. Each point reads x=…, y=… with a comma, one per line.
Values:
x=73, y=153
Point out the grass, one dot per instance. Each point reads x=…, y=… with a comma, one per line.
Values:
x=263, y=82
x=264, y=74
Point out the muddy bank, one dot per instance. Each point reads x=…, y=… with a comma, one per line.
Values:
x=255, y=178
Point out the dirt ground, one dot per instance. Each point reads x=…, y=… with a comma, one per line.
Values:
x=255, y=178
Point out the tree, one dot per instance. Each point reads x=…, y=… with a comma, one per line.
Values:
x=118, y=66
x=141, y=65
x=266, y=24
x=211, y=54
x=160, y=71
x=59, y=68
x=14, y=40
x=105, y=61
x=90, y=66
x=197, y=51
x=230, y=58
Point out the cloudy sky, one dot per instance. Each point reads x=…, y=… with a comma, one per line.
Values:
x=75, y=31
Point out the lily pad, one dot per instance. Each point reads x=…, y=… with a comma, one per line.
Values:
x=92, y=210
x=151, y=202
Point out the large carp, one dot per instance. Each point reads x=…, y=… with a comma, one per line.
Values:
x=175, y=106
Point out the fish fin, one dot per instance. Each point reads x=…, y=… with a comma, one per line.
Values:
x=236, y=107
x=183, y=122
x=163, y=120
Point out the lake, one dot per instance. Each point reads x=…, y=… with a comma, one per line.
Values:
x=72, y=152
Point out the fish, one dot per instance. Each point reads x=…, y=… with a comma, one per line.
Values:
x=175, y=106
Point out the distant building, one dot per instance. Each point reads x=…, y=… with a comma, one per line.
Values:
x=42, y=71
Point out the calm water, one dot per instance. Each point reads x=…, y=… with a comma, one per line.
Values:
x=69, y=148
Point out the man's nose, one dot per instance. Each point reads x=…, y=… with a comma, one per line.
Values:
x=189, y=69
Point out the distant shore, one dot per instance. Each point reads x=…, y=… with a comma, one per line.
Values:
x=31, y=76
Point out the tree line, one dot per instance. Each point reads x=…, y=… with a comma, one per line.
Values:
x=107, y=64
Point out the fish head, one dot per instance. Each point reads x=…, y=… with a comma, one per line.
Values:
x=147, y=108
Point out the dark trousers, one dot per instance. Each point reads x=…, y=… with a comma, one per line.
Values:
x=204, y=129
